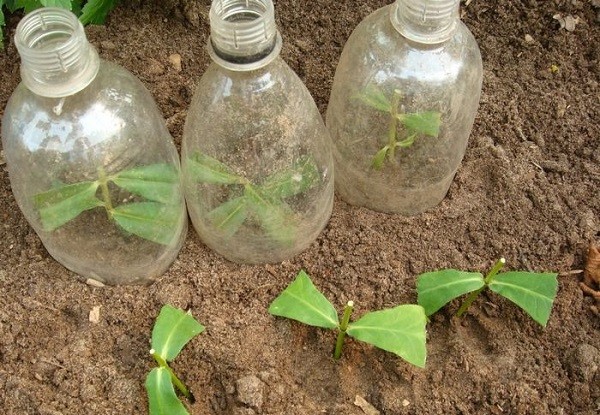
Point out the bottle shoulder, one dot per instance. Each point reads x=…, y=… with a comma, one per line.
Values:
x=277, y=77
x=377, y=47
x=114, y=88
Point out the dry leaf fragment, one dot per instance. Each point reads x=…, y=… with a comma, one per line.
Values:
x=591, y=273
x=366, y=407
x=94, y=316
x=568, y=22
x=94, y=283
x=175, y=61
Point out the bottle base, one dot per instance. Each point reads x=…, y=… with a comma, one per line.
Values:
x=251, y=246
x=357, y=189
x=141, y=271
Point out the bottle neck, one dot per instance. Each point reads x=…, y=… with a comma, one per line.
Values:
x=426, y=21
x=56, y=58
x=243, y=34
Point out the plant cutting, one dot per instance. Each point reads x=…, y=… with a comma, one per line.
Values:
x=412, y=125
x=264, y=203
x=153, y=218
x=533, y=292
x=89, y=12
x=400, y=330
x=173, y=329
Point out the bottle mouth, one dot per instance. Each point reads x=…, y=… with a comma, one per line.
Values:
x=243, y=32
x=56, y=58
x=426, y=21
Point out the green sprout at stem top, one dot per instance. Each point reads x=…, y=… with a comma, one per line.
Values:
x=410, y=125
x=533, y=292
x=400, y=330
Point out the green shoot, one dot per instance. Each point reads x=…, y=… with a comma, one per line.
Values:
x=412, y=125
x=399, y=330
x=92, y=12
x=264, y=203
x=533, y=292
x=173, y=329
x=155, y=218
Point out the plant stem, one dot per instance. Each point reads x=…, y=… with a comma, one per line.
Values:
x=176, y=381
x=473, y=296
x=103, y=179
x=392, y=131
x=343, y=326
x=495, y=269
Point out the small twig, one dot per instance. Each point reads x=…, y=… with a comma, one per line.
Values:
x=570, y=273
x=44, y=360
x=537, y=165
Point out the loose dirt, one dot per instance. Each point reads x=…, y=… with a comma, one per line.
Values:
x=528, y=190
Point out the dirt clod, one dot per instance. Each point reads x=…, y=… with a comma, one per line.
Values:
x=250, y=391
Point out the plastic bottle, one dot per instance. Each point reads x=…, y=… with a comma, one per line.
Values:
x=91, y=163
x=255, y=154
x=402, y=106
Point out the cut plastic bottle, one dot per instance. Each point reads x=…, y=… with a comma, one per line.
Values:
x=402, y=106
x=91, y=163
x=256, y=154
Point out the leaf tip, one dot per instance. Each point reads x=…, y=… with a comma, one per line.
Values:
x=502, y=261
x=350, y=303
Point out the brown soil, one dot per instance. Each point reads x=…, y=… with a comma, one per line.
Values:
x=527, y=190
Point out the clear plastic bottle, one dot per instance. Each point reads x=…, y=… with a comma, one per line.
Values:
x=91, y=163
x=402, y=106
x=256, y=154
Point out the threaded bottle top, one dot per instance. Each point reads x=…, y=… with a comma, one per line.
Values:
x=243, y=33
x=56, y=58
x=426, y=21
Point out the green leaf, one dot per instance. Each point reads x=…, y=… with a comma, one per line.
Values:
x=400, y=330
x=26, y=5
x=64, y=203
x=162, y=398
x=407, y=142
x=173, y=329
x=375, y=98
x=95, y=11
x=436, y=289
x=156, y=182
x=2, y=24
x=229, y=216
x=533, y=292
x=153, y=221
x=379, y=158
x=276, y=218
x=76, y=7
x=301, y=301
x=63, y=4
x=302, y=176
x=427, y=123
x=205, y=169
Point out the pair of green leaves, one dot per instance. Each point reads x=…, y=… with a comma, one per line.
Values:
x=533, y=292
x=400, y=330
x=265, y=202
x=154, y=219
x=89, y=12
x=173, y=329
x=425, y=123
